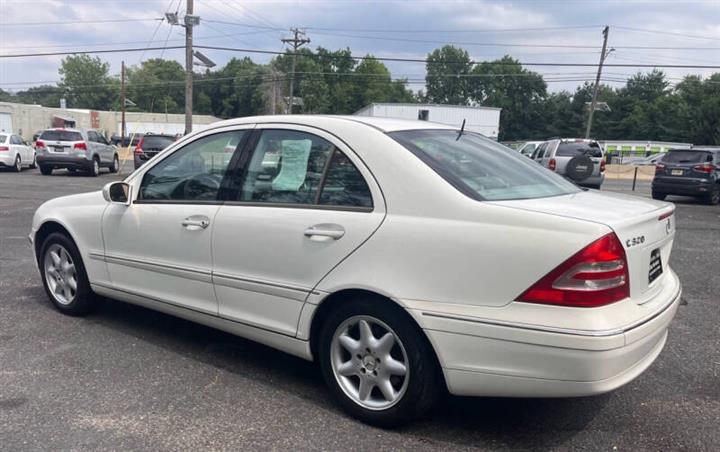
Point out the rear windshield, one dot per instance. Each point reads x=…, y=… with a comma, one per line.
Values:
x=687, y=157
x=482, y=168
x=156, y=142
x=61, y=135
x=581, y=148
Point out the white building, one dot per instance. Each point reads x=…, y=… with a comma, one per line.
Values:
x=484, y=120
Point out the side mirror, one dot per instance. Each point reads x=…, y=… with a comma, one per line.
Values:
x=118, y=192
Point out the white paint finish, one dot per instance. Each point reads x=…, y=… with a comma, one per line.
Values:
x=484, y=120
x=434, y=251
x=154, y=233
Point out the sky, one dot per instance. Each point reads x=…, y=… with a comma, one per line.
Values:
x=532, y=31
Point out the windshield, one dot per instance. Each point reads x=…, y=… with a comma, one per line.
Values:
x=687, y=157
x=156, y=142
x=61, y=135
x=482, y=168
x=579, y=148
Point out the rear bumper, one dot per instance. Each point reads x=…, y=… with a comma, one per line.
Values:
x=480, y=358
x=693, y=187
x=64, y=162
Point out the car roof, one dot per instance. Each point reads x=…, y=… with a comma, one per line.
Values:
x=382, y=124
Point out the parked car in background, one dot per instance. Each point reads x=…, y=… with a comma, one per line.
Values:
x=490, y=277
x=15, y=153
x=149, y=146
x=579, y=160
x=75, y=149
x=688, y=172
x=528, y=148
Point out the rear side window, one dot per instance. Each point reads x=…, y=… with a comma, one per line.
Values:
x=3, y=138
x=687, y=157
x=344, y=185
x=481, y=168
x=580, y=148
x=61, y=135
x=157, y=142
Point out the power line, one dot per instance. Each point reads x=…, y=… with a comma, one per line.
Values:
x=357, y=57
x=75, y=22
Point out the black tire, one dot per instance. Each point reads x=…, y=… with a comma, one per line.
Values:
x=579, y=168
x=424, y=377
x=71, y=170
x=94, y=170
x=33, y=165
x=659, y=196
x=713, y=197
x=46, y=170
x=85, y=300
x=17, y=167
x=115, y=166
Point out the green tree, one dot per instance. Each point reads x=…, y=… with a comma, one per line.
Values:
x=505, y=84
x=86, y=83
x=446, y=80
x=157, y=86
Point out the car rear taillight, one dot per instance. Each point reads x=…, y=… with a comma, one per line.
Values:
x=81, y=146
x=595, y=276
x=552, y=164
x=39, y=144
x=138, y=147
x=4, y=148
x=706, y=168
x=602, y=166
x=659, y=168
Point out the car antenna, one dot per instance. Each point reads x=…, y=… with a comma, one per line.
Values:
x=462, y=129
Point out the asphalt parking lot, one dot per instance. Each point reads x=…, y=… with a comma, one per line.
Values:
x=130, y=378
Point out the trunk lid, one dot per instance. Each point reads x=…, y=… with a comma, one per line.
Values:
x=645, y=227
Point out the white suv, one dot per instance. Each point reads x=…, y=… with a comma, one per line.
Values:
x=75, y=149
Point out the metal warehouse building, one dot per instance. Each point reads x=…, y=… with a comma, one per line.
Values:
x=484, y=120
x=26, y=119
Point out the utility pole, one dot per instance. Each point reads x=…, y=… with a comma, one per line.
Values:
x=603, y=55
x=298, y=40
x=189, y=23
x=122, y=101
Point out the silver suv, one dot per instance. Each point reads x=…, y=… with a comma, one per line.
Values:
x=579, y=160
x=75, y=149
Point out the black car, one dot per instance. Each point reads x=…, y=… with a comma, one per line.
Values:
x=149, y=146
x=688, y=172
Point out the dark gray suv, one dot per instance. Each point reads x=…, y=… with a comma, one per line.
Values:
x=688, y=172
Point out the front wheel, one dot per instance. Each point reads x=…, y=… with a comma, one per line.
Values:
x=17, y=167
x=33, y=165
x=378, y=364
x=64, y=276
x=659, y=196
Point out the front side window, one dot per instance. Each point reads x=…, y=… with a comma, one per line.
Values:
x=193, y=172
x=482, y=168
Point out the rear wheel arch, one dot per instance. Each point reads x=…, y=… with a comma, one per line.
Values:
x=335, y=299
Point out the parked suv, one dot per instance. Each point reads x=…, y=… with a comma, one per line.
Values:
x=75, y=149
x=149, y=146
x=688, y=172
x=579, y=160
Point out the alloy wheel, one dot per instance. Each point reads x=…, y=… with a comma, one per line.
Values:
x=369, y=362
x=18, y=164
x=60, y=274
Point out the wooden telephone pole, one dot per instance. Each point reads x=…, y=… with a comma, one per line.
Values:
x=597, y=82
x=188, y=66
x=122, y=101
x=298, y=40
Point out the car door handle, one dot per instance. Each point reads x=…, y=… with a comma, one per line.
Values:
x=333, y=231
x=196, y=221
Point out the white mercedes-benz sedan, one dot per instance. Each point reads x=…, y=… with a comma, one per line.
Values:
x=406, y=257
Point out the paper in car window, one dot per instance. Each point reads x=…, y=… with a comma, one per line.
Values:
x=294, y=160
